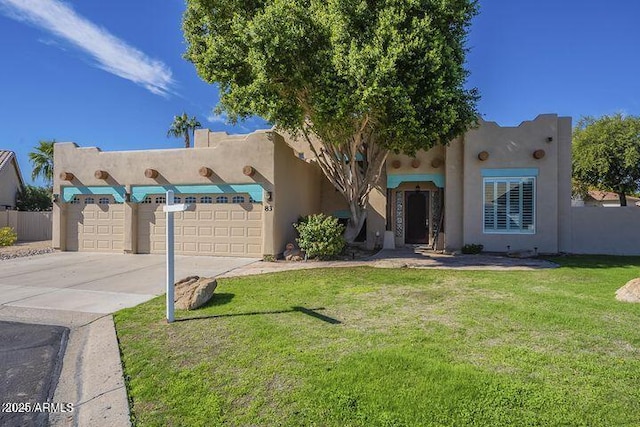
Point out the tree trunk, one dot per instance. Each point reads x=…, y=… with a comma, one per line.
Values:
x=358, y=215
x=186, y=139
x=623, y=199
x=353, y=165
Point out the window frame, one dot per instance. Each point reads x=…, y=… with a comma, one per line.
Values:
x=508, y=181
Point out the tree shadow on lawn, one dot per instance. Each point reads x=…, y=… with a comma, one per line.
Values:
x=220, y=299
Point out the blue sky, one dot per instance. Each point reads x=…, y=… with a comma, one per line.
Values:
x=111, y=74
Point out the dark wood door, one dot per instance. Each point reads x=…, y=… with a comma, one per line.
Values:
x=417, y=220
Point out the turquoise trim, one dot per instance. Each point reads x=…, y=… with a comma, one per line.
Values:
x=393, y=181
x=139, y=192
x=341, y=214
x=118, y=192
x=505, y=173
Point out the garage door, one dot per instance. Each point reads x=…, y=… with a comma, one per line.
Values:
x=95, y=224
x=221, y=225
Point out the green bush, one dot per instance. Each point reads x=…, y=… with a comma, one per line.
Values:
x=7, y=236
x=472, y=248
x=320, y=236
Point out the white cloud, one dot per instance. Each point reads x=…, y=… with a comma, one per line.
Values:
x=110, y=53
x=217, y=118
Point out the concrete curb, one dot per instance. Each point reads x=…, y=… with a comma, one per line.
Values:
x=91, y=376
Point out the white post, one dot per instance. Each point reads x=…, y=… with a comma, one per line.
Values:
x=170, y=259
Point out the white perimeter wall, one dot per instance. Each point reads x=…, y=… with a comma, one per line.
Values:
x=611, y=231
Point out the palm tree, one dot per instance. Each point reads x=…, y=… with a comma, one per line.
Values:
x=42, y=160
x=182, y=126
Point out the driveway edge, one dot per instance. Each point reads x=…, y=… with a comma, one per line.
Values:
x=91, y=377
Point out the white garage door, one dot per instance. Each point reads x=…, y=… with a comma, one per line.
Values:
x=95, y=224
x=221, y=225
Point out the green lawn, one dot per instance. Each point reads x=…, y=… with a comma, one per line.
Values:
x=381, y=347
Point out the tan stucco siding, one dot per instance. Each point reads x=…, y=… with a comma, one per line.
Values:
x=425, y=169
x=297, y=193
x=174, y=166
x=513, y=148
x=9, y=185
x=331, y=201
x=454, y=195
x=611, y=231
x=225, y=155
x=565, y=218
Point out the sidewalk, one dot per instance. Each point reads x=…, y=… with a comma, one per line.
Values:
x=404, y=257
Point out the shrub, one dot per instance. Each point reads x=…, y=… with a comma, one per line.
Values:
x=7, y=236
x=320, y=236
x=472, y=248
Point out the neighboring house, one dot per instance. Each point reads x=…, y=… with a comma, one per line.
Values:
x=503, y=187
x=10, y=180
x=605, y=199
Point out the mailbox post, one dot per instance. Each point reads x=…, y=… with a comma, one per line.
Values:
x=170, y=208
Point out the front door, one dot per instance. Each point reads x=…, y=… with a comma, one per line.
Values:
x=417, y=220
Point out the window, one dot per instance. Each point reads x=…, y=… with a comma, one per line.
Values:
x=147, y=200
x=75, y=201
x=176, y=199
x=103, y=201
x=190, y=199
x=161, y=199
x=509, y=205
x=206, y=199
x=222, y=199
x=89, y=201
x=238, y=199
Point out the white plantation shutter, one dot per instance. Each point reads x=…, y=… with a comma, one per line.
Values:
x=509, y=205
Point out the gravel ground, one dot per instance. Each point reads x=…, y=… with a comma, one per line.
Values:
x=22, y=249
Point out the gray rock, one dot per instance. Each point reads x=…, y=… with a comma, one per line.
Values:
x=292, y=253
x=629, y=292
x=193, y=292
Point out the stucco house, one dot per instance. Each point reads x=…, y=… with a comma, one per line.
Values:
x=503, y=187
x=10, y=180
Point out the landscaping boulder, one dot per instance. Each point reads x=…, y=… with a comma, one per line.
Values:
x=629, y=292
x=292, y=253
x=193, y=292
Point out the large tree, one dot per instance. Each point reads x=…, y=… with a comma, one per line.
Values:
x=41, y=159
x=356, y=79
x=33, y=199
x=606, y=154
x=182, y=127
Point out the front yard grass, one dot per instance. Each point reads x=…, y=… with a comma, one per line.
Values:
x=383, y=347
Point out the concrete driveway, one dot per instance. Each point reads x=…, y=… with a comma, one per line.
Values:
x=79, y=291
x=97, y=283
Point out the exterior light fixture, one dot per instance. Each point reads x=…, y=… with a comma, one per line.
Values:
x=550, y=139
